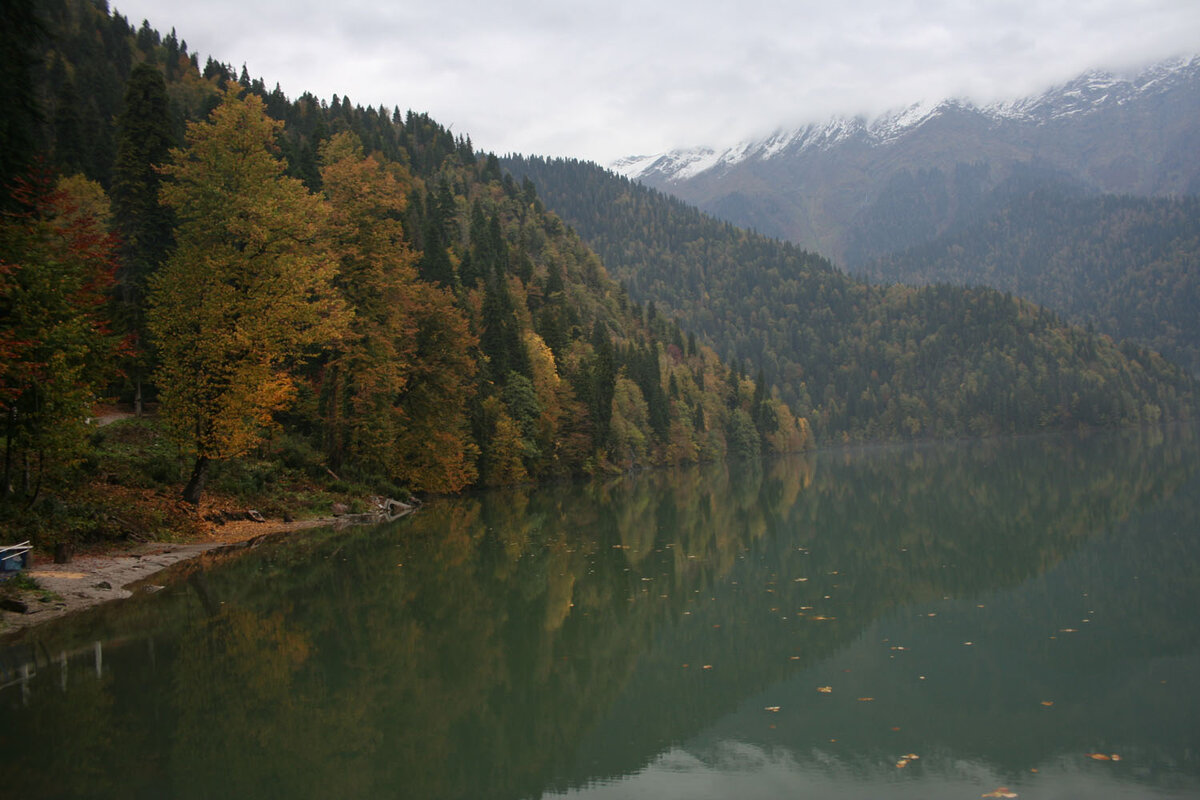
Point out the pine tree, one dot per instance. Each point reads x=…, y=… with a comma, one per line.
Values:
x=144, y=142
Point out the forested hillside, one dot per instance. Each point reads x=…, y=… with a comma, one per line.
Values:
x=860, y=361
x=344, y=290
x=1129, y=266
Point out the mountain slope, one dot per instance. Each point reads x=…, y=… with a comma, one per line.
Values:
x=472, y=339
x=1129, y=266
x=859, y=361
x=829, y=186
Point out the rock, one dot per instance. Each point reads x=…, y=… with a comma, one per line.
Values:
x=340, y=508
x=103, y=585
x=251, y=514
x=13, y=604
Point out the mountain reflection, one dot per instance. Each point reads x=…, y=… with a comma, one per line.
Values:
x=524, y=641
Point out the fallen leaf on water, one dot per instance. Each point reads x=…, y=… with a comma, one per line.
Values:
x=911, y=756
x=1003, y=791
x=895, y=727
x=1114, y=757
x=1068, y=630
x=865, y=699
x=902, y=763
x=1097, y=756
x=1047, y=703
x=707, y=666
x=772, y=708
x=825, y=689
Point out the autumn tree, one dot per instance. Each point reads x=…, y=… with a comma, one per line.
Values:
x=246, y=294
x=56, y=263
x=375, y=272
x=397, y=387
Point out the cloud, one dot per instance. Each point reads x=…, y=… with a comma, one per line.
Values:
x=600, y=80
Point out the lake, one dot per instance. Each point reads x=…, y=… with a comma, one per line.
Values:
x=1016, y=618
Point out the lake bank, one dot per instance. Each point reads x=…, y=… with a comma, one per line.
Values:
x=92, y=579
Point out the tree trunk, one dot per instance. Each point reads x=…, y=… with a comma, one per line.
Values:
x=195, y=485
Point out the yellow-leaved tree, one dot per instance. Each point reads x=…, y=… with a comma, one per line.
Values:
x=395, y=393
x=247, y=293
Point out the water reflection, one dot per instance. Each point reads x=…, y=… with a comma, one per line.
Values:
x=642, y=636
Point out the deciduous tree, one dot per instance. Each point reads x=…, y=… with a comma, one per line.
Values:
x=247, y=292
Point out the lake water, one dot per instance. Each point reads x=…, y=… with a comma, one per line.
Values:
x=986, y=619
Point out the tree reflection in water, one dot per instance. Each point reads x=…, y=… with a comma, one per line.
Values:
x=520, y=641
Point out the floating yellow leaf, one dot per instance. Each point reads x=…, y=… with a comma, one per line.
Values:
x=1114, y=757
x=1003, y=791
x=902, y=763
x=1097, y=756
x=772, y=708
x=865, y=699
x=824, y=689
x=1047, y=703
x=707, y=666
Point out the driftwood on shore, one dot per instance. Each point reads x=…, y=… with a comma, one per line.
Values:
x=383, y=509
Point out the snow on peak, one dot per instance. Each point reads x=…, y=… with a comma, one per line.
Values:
x=1088, y=92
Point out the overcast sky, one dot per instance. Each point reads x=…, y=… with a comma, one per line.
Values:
x=600, y=80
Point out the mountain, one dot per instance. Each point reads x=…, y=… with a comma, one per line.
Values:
x=859, y=361
x=857, y=188
x=1129, y=266
x=430, y=325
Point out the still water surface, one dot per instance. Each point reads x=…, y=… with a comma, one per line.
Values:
x=986, y=619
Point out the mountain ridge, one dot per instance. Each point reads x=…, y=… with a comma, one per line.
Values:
x=1085, y=94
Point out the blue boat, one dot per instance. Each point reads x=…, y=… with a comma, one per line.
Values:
x=13, y=559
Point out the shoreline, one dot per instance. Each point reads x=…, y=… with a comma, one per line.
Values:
x=92, y=579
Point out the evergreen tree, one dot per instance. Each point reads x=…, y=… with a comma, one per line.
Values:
x=143, y=144
x=21, y=34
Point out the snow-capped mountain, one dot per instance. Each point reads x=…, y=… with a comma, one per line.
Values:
x=1093, y=94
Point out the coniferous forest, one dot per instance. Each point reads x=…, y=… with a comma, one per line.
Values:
x=859, y=361
x=306, y=291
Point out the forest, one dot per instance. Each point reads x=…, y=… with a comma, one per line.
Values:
x=1125, y=265
x=859, y=361
x=355, y=301
x=327, y=291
